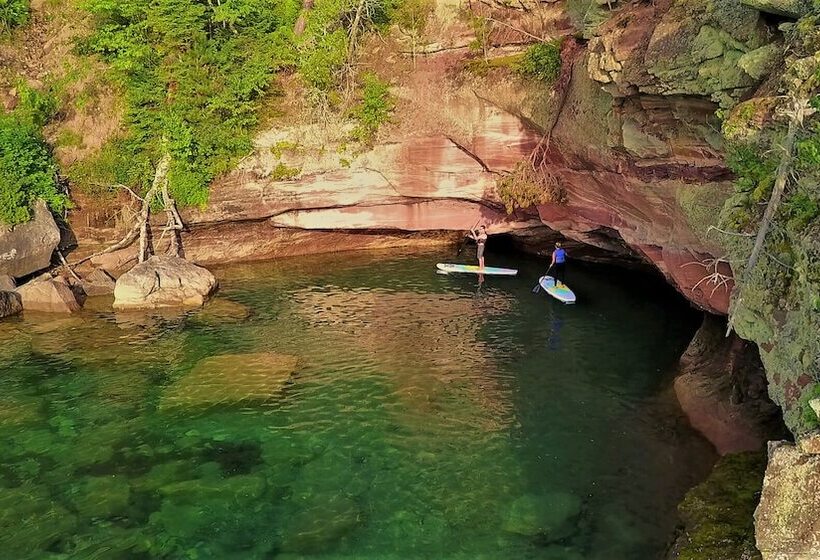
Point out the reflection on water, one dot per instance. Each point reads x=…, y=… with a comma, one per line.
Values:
x=342, y=407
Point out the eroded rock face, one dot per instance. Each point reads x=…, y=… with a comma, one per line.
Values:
x=705, y=47
x=787, y=520
x=27, y=248
x=51, y=295
x=627, y=146
x=163, y=281
x=722, y=388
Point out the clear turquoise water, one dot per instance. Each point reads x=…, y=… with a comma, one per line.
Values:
x=427, y=417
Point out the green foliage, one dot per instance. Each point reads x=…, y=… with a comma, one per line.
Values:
x=324, y=48
x=801, y=209
x=13, y=13
x=542, y=62
x=482, y=29
x=284, y=172
x=321, y=63
x=810, y=419
x=120, y=162
x=283, y=146
x=483, y=66
x=374, y=109
x=718, y=514
x=751, y=166
x=412, y=15
x=27, y=169
x=807, y=152
x=193, y=74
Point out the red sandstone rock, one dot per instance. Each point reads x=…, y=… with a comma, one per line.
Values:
x=722, y=389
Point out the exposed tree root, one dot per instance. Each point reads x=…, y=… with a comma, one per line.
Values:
x=140, y=228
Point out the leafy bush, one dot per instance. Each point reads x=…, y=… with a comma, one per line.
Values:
x=13, y=13
x=374, y=109
x=542, y=62
x=284, y=172
x=27, y=168
x=412, y=15
x=193, y=74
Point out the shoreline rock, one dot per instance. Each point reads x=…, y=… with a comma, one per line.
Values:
x=722, y=389
x=52, y=295
x=10, y=304
x=26, y=248
x=164, y=281
x=787, y=519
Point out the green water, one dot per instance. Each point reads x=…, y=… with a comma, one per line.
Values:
x=367, y=408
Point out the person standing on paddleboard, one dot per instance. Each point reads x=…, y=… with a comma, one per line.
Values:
x=558, y=265
x=480, y=238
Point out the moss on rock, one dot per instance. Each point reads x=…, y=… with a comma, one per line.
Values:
x=717, y=514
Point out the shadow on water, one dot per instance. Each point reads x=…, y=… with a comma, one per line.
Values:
x=353, y=406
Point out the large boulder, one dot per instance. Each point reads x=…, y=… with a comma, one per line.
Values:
x=787, y=520
x=52, y=295
x=27, y=248
x=7, y=283
x=164, y=281
x=10, y=304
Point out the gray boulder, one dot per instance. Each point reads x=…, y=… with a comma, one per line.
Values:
x=164, y=281
x=10, y=304
x=52, y=295
x=27, y=248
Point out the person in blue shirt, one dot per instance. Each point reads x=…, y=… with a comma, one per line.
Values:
x=558, y=265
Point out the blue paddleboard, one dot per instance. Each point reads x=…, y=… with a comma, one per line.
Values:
x=562, y=294
x=473, y=269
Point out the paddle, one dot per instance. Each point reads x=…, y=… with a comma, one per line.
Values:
x=537, y=287
x=463, y=243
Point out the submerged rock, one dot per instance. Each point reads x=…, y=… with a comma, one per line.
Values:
x=320, y=523
x=717, y=514
x=553, y=515
x=787, y=520
x=52, y=295
x=229, y=379
x=10, y=304
x=164, y=281
x=30, y=521
x=101, y=496
x=220, y=311
x=215, y=517
x=27, y=248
